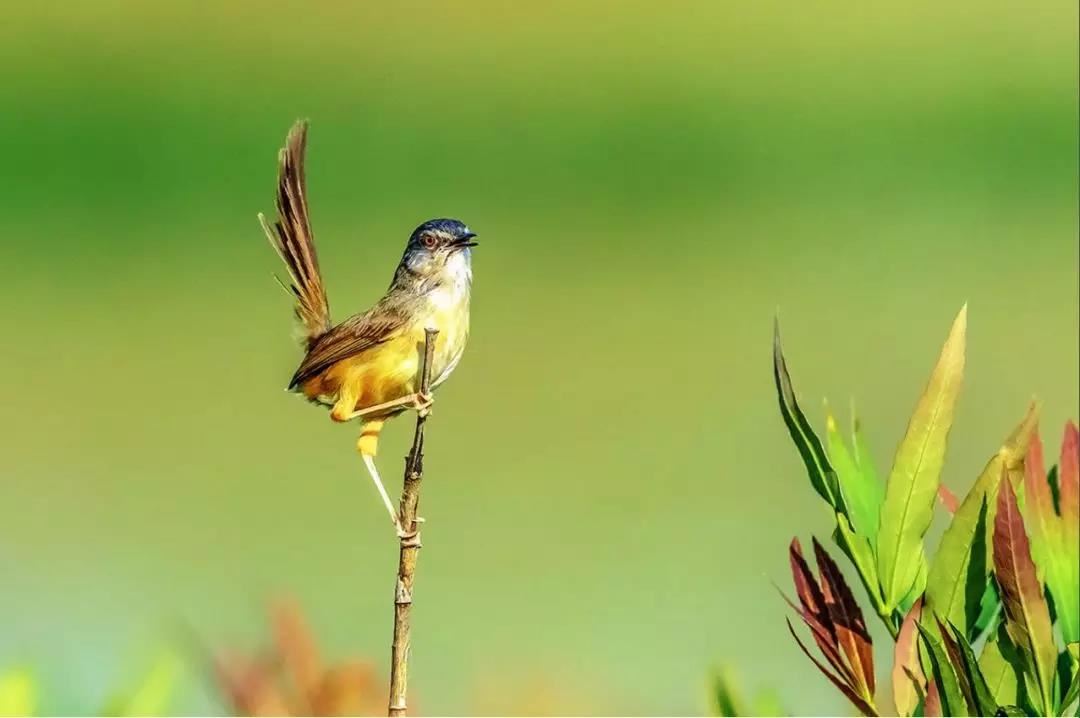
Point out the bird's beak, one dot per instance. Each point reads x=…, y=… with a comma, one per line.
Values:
x=465, y=240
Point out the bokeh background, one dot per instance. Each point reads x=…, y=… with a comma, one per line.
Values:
x=610, y=488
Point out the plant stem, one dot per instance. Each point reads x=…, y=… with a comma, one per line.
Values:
x=410, y=546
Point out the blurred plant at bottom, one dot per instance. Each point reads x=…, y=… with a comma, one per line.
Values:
x=150, y=694
x=290, y=676
x=990, y=625
x=727, y=699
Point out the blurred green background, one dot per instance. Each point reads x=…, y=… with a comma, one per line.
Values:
x=610, y=487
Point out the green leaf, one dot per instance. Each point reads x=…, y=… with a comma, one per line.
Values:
x=913, y=482
x=952, y=700
x=960, y=572
x=917, y=589
x=989, y=610
x=972, y=682
x=822, y=476
x=860, y=489
x=858, y=550
x=18, y=693
x=1002, y=666
x=1067, y=599
x=1027, y=617
x=1073, y=692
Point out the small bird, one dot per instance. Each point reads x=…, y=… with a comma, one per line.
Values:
x=368, y=366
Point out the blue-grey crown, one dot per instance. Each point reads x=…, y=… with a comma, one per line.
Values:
x=452, y=227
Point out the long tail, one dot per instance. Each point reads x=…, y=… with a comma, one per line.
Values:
x=291, y=237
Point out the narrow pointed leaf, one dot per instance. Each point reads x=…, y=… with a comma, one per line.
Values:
x=1002, y=665
x=908, y=681
x=952, y=700
x=1027, y=616
x=865, y=708
x=913, y=482
x=1046, y=530
x=1067, y=596
x=814, y=612
x=821, y=473
x=861, y=491
x=826, y=641
x=848, y=623
x=956, y=660
x=976, y=691
x=960, y=573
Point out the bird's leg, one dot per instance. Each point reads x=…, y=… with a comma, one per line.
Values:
x=420, y=402
x=369, y=462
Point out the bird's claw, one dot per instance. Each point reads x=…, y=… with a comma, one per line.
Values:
x=422, y=403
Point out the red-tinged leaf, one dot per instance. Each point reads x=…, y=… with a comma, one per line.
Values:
x=1039, y=501
x=1069, y=476
x=932, y=707
x=847, y=622
x=948, y=499
x=908, y=681
x=825, y=640
x=865, y=708
x=1027, y=615
x=814, y=613
x=806, y=586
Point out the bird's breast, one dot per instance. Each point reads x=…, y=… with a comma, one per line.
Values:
x=448, y=311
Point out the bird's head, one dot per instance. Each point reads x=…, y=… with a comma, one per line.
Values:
x=437, y=245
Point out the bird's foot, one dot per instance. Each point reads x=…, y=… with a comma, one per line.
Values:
x=422, y=403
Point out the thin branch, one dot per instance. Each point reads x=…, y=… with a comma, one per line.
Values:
x=410, y=546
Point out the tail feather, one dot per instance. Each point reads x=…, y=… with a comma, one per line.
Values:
x=292, y=239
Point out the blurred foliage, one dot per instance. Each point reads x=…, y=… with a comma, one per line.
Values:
x=151, y=693
x=1010, y=554
x=292, y=678
x=728, y=700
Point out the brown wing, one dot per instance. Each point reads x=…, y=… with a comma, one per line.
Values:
x=291, y=237
x=381, y=323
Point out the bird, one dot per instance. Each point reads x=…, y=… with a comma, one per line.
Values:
x=368, y=366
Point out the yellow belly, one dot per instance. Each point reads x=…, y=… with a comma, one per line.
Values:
x=390, y=370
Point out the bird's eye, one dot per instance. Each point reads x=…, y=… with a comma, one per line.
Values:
x=430, y=241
